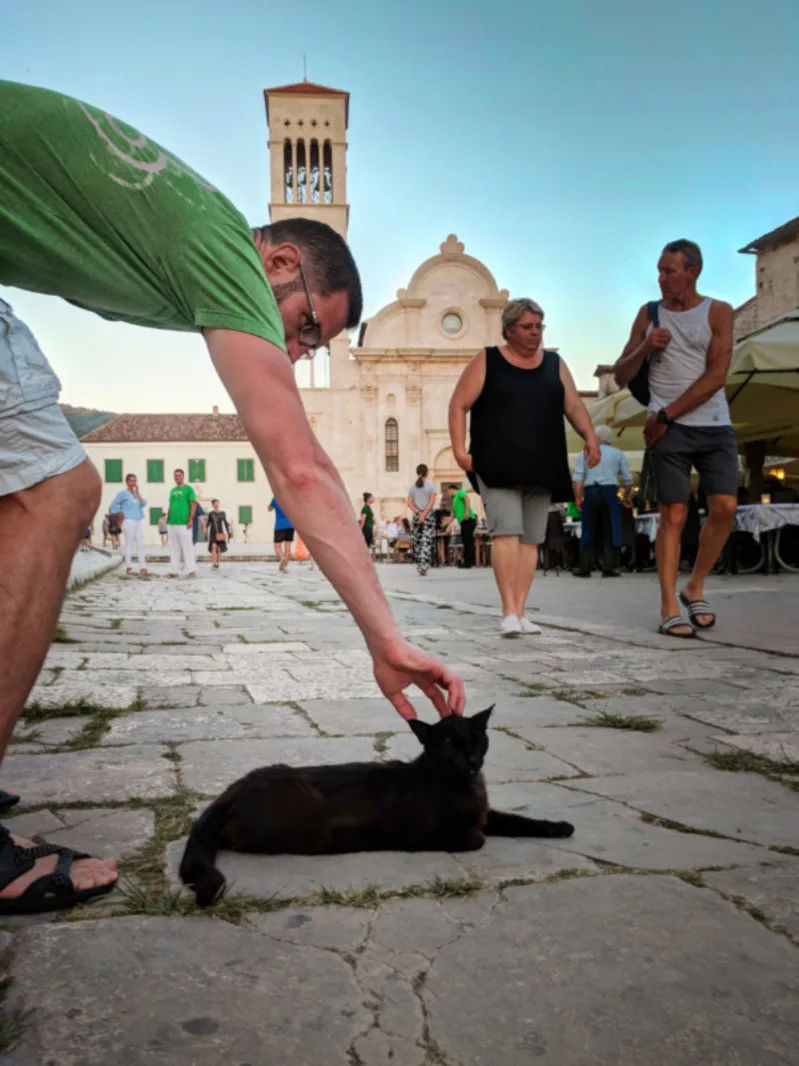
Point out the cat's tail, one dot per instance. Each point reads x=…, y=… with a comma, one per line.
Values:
x=197, y=867
x=500, y=824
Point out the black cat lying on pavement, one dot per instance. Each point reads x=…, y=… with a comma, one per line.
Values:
x=438, y=802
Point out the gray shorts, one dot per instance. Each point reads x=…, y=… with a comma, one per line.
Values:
x=36, y=441
x=712, y=450
x=519, y=512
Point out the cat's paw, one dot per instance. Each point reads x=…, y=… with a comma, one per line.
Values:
x=562, y=829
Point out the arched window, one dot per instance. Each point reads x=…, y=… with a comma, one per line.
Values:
x=315, y=198
x=302, y=174
x=288, y=173
x=392, y=446
x=327, y=173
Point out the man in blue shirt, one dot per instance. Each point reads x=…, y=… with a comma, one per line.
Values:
x=596, y=491
x=128, y=502
x=284, y=535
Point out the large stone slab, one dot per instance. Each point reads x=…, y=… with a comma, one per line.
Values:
x=353, y=716
x=774, y=890
x=502, y=859
x=300, y=876
x=622, y=970
x=779, y=747
x=106, y=834
x=508, y=758
x=209, y=767
x=96, y=775
x=72, y=688
x=182, y=992
x=208, y=723
x=612, y=833
x=739, y=805
x=611, y=751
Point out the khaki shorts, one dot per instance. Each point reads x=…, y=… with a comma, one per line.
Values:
x=36, y=441
x=521, y=512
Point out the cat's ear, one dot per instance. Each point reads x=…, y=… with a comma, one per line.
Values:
x=421, y=729
x=480, y=720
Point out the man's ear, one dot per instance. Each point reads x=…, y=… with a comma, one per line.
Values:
x=420, y=728
x=480, y=720
x=281, y=262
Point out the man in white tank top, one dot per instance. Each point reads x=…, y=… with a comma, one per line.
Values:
x=688, y=425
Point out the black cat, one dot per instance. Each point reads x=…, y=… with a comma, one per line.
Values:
x=438, y=802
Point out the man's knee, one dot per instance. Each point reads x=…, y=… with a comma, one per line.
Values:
x=722, y=509
x=86, y=492
x=673, y=515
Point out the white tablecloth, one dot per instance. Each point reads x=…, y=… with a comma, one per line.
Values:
x=644, y=523
x=760, y=518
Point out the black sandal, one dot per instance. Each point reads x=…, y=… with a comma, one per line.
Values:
x=7, y=800
x=50, y=892
x=697, y=607
x=670, y=624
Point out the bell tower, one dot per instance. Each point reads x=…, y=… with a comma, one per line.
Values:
x=308, y=175
x=308, y=153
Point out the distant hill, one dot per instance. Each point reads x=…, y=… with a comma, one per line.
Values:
x=85, y=419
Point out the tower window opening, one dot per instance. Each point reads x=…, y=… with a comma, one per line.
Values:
x=302, y=174
x=315, y=190
x=327, y=167
x=288, y=173
x=392, y=446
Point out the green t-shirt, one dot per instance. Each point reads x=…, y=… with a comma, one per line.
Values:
x=459, y=505
x=370, y=516
x=180, y=500
x=95, y=212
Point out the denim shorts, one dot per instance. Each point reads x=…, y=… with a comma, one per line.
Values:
x=36, y=441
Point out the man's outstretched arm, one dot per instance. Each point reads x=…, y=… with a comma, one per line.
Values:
x=260, y=380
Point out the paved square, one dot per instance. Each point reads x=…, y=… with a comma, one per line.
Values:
x=665, y=931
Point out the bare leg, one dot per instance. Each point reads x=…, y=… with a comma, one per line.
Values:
x=505, y=561
x=721, y=512
x=527, y=561
x=667, y=553
x=49, y=521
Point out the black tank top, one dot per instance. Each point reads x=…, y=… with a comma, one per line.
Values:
x=518, y=435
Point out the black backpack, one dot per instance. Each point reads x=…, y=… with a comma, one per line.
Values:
x=639, y=385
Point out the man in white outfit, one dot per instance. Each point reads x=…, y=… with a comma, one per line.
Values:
x=129, y=503
x=182, y=505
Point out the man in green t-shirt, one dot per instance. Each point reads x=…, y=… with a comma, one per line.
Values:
x=93, y=211
x=182, y=505
x=467, y=520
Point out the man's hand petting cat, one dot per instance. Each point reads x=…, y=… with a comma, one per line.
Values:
x=401, y=665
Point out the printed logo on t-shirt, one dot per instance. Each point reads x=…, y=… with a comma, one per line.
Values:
x=137, y=161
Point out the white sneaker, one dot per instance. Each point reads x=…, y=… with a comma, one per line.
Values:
x=511, y=626
x=529, y=627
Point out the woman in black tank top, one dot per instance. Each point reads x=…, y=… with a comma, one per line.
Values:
x=518, y=396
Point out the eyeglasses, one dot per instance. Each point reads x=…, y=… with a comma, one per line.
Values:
x=310, y=336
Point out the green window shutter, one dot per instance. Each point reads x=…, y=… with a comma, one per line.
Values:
x=245, y=469
x=155, y=470
x=155, y=514
x=196, y=470
x=113, y=470
x=245, y=513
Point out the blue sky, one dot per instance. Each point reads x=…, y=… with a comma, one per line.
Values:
x=563, y=142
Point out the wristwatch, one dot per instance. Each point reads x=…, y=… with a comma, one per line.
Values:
x=663, y=417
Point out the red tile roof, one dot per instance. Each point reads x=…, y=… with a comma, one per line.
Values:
x=308, y=88
x=168, y=429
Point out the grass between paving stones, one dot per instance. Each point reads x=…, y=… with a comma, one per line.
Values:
x=510, y=733
x=748, y=762
x=640, y=723
x=13, y=1023
x=679, y=827
x=116, y=623
x=93, y=731
x=60, y=637
x=381, y=742
x=759, y=916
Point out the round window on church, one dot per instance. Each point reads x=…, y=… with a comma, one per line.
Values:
x=451, y=323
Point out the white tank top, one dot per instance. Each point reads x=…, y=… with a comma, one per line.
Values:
x=674, y=370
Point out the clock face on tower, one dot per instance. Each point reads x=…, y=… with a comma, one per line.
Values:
x=451, y=323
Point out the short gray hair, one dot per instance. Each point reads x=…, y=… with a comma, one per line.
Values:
x=515, y=310
x=604, y=434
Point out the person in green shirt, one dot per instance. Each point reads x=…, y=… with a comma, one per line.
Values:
x=467, y=520
x=95, y=212
x=180, y=519
x=368, y=519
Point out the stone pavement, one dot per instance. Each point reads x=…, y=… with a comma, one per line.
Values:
x=666, y=931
